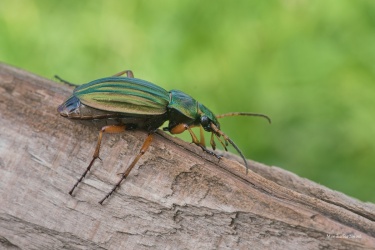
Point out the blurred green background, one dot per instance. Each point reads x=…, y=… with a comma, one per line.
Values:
x=309, y=65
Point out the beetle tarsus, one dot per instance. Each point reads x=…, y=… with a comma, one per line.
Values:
x=83, y=175
x=114, y=188
x=209, y=151
x=107, y=196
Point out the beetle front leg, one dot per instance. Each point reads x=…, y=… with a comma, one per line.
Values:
x=105, y=129
x=178, y=129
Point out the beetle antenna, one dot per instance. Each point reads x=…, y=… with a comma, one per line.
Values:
x=244, y=114
x=226, y=138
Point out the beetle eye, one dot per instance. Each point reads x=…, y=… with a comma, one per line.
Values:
x=205, y=122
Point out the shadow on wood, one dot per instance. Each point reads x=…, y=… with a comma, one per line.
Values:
x=176, y=197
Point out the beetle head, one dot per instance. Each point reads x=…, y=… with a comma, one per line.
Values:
x=206, y=118
x=210, y=123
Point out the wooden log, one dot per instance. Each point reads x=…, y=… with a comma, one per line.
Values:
x=177, y=197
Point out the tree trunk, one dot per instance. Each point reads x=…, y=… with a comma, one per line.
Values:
x=177, y=196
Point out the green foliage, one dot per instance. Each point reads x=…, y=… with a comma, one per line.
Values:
x=307, y=64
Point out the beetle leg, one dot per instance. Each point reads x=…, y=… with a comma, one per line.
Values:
x=129, y=73
x=212, y=141
x=144, y=148
x=221, y=141
x=65, y=82
x=178, y=129
x=201, y=137
x=105, y=129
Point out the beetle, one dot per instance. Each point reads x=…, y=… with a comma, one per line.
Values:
x=118, y=103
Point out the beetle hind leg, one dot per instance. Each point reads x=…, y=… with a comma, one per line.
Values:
x=105, y=129
x=65, y=81
x=144, y=148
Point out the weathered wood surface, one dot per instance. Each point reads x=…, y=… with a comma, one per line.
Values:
x=177, y=197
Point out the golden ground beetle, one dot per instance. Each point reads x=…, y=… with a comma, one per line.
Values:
x=117, y=103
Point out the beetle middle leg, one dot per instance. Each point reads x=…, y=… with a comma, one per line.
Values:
x=105, y=129
x=144, y=148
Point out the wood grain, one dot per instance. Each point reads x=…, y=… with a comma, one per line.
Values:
x=177, y=197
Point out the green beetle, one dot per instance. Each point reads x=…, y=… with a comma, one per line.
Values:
x=116, y=104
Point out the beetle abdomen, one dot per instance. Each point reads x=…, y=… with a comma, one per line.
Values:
x=73, y=109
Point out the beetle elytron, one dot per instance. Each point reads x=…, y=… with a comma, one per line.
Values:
x=121, y=103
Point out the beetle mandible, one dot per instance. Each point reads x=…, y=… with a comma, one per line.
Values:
x=117, y=103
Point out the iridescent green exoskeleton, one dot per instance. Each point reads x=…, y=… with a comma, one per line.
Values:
x=115, y=104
